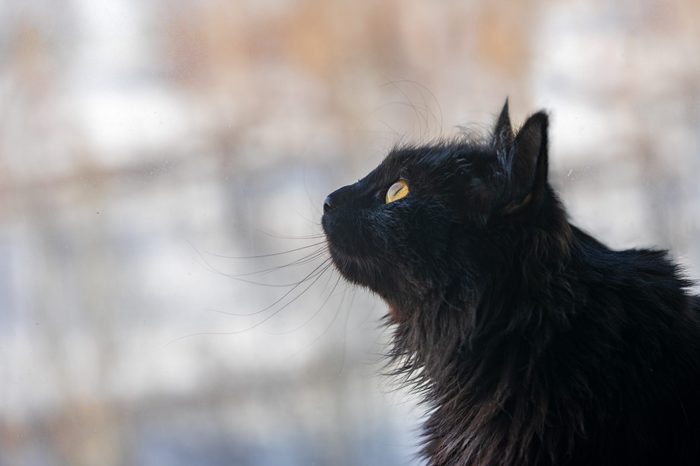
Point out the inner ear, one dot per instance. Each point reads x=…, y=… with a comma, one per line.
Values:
x=526, y=165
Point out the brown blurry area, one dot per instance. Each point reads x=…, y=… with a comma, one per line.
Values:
x=146, y=146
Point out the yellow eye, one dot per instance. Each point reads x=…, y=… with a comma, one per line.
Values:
x=397, y=191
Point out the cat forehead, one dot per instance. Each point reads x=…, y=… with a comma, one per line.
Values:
x=434, y=157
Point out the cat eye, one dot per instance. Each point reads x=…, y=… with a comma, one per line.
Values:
x=397, y=191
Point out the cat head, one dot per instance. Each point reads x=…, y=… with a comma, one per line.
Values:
x=441, y=218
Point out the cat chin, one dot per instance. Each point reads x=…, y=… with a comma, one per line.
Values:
x=351, y=266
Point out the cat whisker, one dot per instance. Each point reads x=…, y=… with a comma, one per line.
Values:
x=301, y=261
x=266, y=319
x=316, y=312
x=345, y=329
x=280, y=309
x=314, y=275
x=262, y=256
x=272, y=235
x=327, y=327
x=320, y=252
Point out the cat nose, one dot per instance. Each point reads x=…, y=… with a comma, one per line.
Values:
x=337, y=198
x=327, y=204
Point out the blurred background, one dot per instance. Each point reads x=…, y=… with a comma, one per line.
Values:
x=147, y=149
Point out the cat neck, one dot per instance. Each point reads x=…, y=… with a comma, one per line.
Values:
x=501, y=368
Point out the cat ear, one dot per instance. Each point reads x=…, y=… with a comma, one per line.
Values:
x=526, y=164
x=502, y=137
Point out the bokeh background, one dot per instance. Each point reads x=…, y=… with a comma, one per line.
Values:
x=145, y=147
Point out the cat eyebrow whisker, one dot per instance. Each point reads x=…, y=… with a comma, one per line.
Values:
x=426, y=107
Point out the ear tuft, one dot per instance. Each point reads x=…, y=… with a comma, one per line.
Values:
x=503, y=131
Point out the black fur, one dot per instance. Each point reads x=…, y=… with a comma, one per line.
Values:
x=532, y=342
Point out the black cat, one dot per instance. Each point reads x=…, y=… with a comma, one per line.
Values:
x=532, y=342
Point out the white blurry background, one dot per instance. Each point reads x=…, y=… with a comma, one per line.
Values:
x=140, y=142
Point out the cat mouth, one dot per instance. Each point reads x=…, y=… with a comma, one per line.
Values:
x=341, y=246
